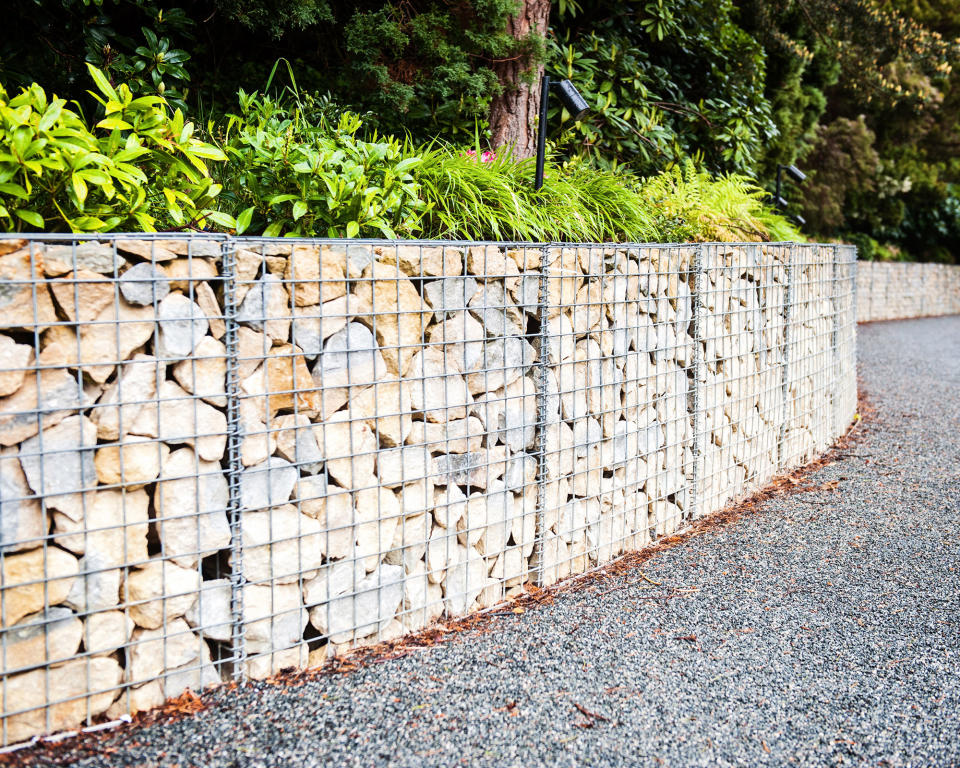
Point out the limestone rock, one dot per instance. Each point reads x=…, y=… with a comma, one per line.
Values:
x=285, y=380
x=461, y=337
x=181, y=418
x=212, y=613
x=366, y=611
x=265, y=665
x=59, y=464
x=497, y=312
x=437, y=387
x=197, y=674
x=159, y=592
x=82, y=294
x=336, y=516
x=105, y=632
x=273, y=615
x=34, y=580
x=314, y=275
x=280, y=545
x=22, y=521
x=466, y=578
x=503, y=361
x=489, y=262
x=401, y=318
x=403, y=465
x=91, y=256
x=266, y=308
x=97, y=586
x=17, y=270
x=190, y=503
x=252, y=348
x=134, y=462
x=312, y=325
x=47, y=637
x=449, y=505
x=332, y=581
x=16, y=358
x=120, y=403
x=457, y=436
x=68, y=684
x=297, y=443
x=149, y=250
x=204, y=373
x=154, y=651
x=351, y=361
x=137, y=699
x=476, y=469
x=114, y=525
x=182, y=325
x=189, y=272
x=449, y=295
x=268, y=484
x=386, y=409
x=44, y=400
x=348, y=446
x=379, y=514
x=144, y=285
x=422, y=260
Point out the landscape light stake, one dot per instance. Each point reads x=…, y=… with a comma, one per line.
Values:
x=574, y=104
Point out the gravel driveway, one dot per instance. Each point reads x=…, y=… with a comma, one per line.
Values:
x=821, y=628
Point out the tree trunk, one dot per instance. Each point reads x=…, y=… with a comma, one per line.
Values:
x=513, y=114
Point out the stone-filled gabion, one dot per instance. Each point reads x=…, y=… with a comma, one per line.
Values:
x=338, y=443
x=897, y=290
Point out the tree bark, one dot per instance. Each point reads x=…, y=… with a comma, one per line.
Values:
x=513, y=114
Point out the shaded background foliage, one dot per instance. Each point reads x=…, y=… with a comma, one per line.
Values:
x=862, y=93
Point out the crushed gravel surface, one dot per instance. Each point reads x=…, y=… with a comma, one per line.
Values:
x=821, y=628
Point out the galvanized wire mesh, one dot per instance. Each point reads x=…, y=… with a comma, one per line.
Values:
x=225, y=457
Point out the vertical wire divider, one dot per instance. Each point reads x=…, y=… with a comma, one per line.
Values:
x=695, y=396
x=543, y=311
x=837, y=366
x=785, y=379
x=231, y=341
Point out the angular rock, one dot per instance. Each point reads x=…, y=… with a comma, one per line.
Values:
x=121, y=402
x=422, y=260
x=449, y=295
x=204, y=373
x=256, y=442
x=497, y=312
x=332, y=581
x=348, y=446
x=422, y=599
x=273, y=615
x=314, y=275
x=465, y=580
x=182, y=326
x=461, y=337
x=351, y=361
x=48, y=637
x=22, y=521
x=502, y=362
x=91, y=256
x=97, y=586
x=297, y=442
x=364, y=612
x=312, y=325
x=195, y=675
x=207, y=301
x=392, y=307
x=489, y=262
x=154, y=651
x=379, y=514
x=181, y=418
x=160, y=591
x=449, y=505
x=266, y=307
x=144, y=285
x=34, y=580
x=458, y=436
x=189, y=272
x=280, y=545
x=68, y=684
x=212, y=614
x=337, y=519
x=59, y=464
x=114, y=526
x=149, y=250
x=134, y=462
x=16, y=359
x=20, y=305
x=286, y=382
x=44, y=400
x=265, y=665
x=397, y=466
x=82, y=294
x=105, y=632
x=386, y=409
x=252, y=348
x=476, y=469
x=268, y=484
x=437, y=387
x=190, y=504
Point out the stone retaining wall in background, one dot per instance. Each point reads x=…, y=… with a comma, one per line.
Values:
x=224, y=457
x=897, y=290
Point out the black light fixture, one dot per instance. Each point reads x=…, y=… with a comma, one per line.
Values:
x=572, y=101
x=798, y=220
x=794, y=173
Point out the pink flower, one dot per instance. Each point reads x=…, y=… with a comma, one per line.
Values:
x=485, y=157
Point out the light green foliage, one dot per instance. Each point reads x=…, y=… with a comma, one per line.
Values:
x=140, y=168
x=287, y=175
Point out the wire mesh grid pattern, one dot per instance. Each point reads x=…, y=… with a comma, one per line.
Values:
x=225, y=457
x=895, y=290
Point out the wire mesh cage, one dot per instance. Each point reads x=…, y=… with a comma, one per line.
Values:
x=224, y=457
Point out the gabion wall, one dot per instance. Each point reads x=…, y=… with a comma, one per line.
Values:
x=223, y=457
x=897, y=290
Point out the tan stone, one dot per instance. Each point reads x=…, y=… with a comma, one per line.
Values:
x=120, y=403
x=379, y=514
x=266, y=308
x=386, y=408
x=43, y=401
x=314, y=275
x=314, y=324
x=59, y=464
x=34, y=580
x=182, y=418
x=186, y=271
x=155, y=651
x=137, y=699
x=83, y=294
x=247, y=266
x=337, y=518
x=106, y=631
x=68, y=685
x=286, y=381
x=401, y=315
x=257, y=443
x=437, y=387
x=112, y=531
x=149, y=250
x=22, y=520
x=318, y=657
x=15, y=360
x=461, y=336
x=252, y=348
x=17, y=297
x=190, y=504
x=348, y=447
x=207, y=301
x=490, y=261
x=280, y=545
x=273, y=615
x=457, y=436
x=420, y=261
x=296, y=441
x=135, y=462
x=204, y=373
x=160, y=591
x=48, y=637
x=266, y=665
x=12, y=244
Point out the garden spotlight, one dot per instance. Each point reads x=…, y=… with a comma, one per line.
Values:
x=799, y=220
x=572, y=101
x=794, y=173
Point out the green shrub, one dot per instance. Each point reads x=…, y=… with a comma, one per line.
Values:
x=287, y=175
x=140, y=168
